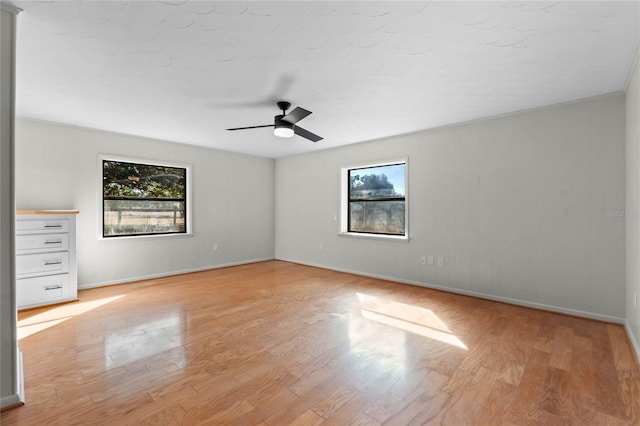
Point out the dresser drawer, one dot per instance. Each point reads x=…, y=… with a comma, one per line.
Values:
x=26, y=244
x=41, y=264
x=39, y=290
x=42, y=225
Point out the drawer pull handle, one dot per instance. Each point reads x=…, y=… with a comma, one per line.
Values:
x=53, y=226
x=53, y=262
x=53, y=242
x=53, y=287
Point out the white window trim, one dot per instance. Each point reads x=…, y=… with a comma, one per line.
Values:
x=344, y=201
x=125, y=159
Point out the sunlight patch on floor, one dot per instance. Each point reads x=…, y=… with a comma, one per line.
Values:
x=413, y=319
x=58, y=314
x=28, y=330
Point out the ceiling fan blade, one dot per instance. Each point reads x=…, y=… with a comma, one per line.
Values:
x=306, y=134
x=296, y=115
x=251, y=127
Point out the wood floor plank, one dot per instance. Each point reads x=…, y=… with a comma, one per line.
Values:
x=352, y=413
x=561, y=350
x=275, y=343
x=308, y=418
x=622, y=352
x=630, y=387
x=500, y=397
x=163, y=415
x=334, y=400
x=556, y=399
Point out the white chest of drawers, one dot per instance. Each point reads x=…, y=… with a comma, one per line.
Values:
x=46, y=271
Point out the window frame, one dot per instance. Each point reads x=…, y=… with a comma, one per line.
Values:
x=147, y=162
x=345, y=189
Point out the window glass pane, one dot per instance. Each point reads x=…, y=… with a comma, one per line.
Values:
x=142, y=199
x=142, y=180
x=374, y=183
x=381, y=217
x=131, y=217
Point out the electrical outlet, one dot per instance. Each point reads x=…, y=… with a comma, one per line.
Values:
x=423, y=260
x=440, y=261
x=216, y=247
x=430, y=260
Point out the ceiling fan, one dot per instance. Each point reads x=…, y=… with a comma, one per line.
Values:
x=285, y=124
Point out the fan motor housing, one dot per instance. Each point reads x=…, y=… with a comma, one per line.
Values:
x=277, y=120
x=281, y=124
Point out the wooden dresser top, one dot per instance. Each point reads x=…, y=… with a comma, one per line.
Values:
x=18, y=212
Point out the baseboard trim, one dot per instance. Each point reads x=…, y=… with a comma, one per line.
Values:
x=171, y=273
x=17, y=399
x=519, y=302
x=632, y=340
x=10, y=401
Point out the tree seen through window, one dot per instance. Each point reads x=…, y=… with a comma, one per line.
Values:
x=143, y=199
x=377, y=199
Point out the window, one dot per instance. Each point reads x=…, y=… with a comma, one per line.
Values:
x=143, y=199
x=375, y=201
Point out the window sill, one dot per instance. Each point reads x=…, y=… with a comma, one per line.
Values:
x=137, y=237
x=374, y=236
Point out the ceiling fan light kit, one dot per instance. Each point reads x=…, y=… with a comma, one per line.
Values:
x=284, y=125
x=282, y=128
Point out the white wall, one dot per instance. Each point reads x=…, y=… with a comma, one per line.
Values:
x=527, y=207
x=10, y=379
x=632, y=135
x=232, y=201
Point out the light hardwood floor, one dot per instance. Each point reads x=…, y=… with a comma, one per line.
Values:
x=276, y=343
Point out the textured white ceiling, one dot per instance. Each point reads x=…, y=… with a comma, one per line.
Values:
x=186, y=70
